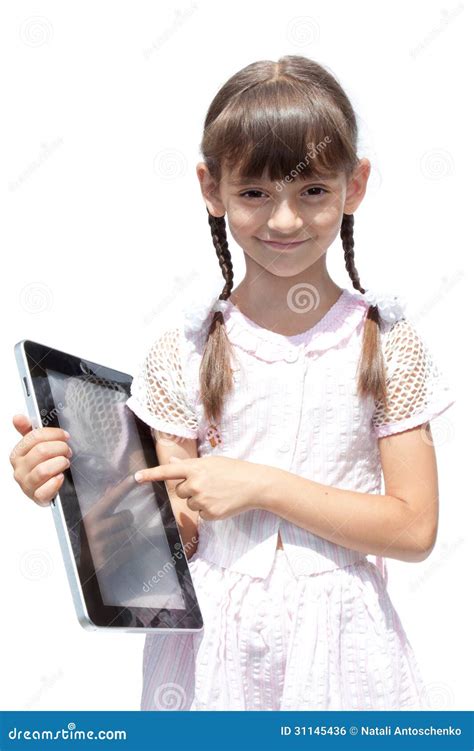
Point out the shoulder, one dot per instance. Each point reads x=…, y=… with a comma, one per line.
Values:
x=417, y=388
x=160, y=356
x=403, y=344
x=159, y=392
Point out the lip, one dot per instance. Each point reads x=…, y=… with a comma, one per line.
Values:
x=274, y=244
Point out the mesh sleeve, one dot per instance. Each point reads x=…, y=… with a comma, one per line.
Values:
x=158, y=391
x=416, y=389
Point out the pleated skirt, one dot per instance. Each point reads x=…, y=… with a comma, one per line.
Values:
x=322, y=641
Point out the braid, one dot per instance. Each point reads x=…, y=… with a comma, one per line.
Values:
x=347, y=237
x=219, y=238
x=216, y=377
x=372, y=376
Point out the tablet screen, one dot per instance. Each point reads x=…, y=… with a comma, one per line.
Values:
x=127, y=540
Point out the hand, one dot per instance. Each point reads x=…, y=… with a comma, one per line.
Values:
x=39, y=460
x=216, y=486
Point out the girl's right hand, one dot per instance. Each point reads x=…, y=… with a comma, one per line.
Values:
x=39, y=459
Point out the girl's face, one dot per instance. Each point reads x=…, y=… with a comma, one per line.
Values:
x=305, y=210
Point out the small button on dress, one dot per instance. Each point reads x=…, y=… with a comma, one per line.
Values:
x=310, y=626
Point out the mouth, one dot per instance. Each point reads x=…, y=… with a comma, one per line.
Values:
x=281, y=245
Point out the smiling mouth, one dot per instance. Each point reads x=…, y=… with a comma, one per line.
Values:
x=278, y=244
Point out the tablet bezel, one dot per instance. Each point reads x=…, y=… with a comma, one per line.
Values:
x=34, y=359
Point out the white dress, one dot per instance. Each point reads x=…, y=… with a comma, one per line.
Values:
x=311, y=626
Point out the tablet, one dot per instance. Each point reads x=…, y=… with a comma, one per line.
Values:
x=121, y=545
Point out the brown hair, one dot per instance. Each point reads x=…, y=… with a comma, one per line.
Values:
x=267, y=116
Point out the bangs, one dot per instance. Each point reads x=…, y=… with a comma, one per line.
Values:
x=279, y=130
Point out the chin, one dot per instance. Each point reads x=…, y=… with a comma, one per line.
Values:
x=285, y=268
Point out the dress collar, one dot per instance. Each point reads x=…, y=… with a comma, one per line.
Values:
x=337, y=324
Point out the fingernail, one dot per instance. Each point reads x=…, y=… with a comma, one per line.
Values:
x=68, y=435
x=138, y=476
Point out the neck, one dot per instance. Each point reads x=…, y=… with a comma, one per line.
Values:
x=286, y=305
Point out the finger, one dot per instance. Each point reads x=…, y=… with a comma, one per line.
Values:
x=46, y=492
x=115, y=523
x=103, y=507
x=182, y=490
x=193, y=504
x=44, y=471
x=35, y=436
x=22, y=423
x=113, y=495
x=176, y=471
x=43, y=451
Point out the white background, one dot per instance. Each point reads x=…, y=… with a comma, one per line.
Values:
x=104, y=231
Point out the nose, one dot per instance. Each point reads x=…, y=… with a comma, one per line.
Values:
x=285, y=219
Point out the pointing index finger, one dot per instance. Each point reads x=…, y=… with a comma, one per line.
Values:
x=174, y=471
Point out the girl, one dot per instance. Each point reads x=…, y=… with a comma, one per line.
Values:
x=264, y=385
x=299, y=394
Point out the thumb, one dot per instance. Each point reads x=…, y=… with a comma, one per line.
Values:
x=22, y=423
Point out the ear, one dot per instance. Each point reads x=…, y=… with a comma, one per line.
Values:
x=210, y=190
x=356, y=186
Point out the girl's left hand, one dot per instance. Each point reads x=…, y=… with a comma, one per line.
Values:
x=216, y=486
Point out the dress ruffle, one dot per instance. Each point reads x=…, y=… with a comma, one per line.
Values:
x=332, y=329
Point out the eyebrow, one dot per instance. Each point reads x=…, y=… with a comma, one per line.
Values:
x=251, y=181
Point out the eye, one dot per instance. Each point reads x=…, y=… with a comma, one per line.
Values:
x=244, y=195
x=317, y=188
x=260, y=193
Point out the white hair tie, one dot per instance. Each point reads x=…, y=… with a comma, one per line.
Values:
x=197, y=312
x=220, y=305
x=391, y=306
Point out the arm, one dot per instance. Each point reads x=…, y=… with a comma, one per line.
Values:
x=168, y=445
x=400, y=524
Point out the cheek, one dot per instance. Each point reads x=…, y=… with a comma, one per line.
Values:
x=242, y=220
x=327, y=219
